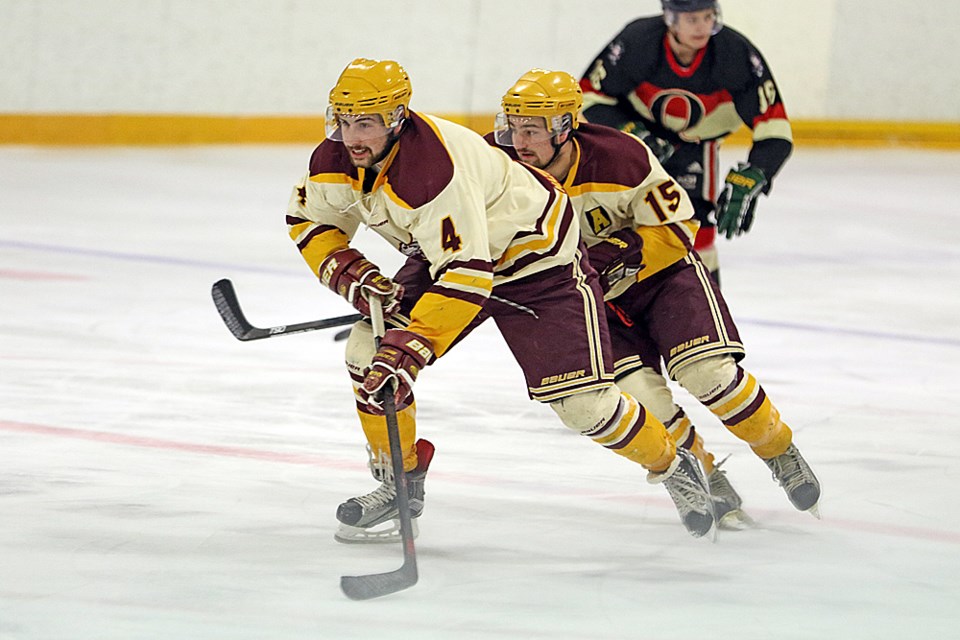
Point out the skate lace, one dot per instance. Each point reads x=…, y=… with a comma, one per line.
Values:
x=686, y=492
x=720, y=487
x=789, y=471
x=379, y=497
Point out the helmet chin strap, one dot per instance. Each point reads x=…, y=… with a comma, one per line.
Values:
x=391, y=140
x=557, y=147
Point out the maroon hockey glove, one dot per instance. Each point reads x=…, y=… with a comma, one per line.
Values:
x=617, y=257
x=355, y=278
x=401, y=356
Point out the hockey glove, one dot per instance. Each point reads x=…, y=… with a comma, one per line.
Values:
x=661, y=148
x=355, y=278
x=401, y=356
x=617, y=257
x=738, y=201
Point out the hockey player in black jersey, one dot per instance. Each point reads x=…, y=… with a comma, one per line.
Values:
x=683, y=82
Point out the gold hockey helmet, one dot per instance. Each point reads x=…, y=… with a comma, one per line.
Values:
x=369, y=87
x=554, y=96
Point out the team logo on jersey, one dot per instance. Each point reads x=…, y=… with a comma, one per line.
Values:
x=615, y=52
x=678, y=110
x=411, y=249
x=598, y=219
x=757, y=64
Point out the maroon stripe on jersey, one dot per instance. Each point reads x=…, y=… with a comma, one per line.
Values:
x=544, y=178
x=545, y=214
x=682, y=237
x=641, y=419
x=475, y=265
x=422, y=167
x=730, y=387
x=294, y=220
x=748, y=411
x=314, y=233
x=566, y=221
x=608, y=156
x=332, y=157
x=473, y=298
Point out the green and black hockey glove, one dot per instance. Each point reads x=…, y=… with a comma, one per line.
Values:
x=738, y=201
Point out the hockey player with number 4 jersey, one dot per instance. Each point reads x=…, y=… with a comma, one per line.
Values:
x=682, y=82
x=485, y=237
x=639, y=228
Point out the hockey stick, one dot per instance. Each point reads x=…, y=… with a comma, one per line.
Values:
x=380, y=584
x=225, y=298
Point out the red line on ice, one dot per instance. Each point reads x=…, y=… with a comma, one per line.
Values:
x=172, y=445
x=38, y=275
x=308, y=459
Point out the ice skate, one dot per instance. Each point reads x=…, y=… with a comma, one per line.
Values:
x=797, y=479
x=727, y=502
x=687, y=486
x=373, y=518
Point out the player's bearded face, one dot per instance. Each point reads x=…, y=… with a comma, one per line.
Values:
x=532, y=141
x=366, y=138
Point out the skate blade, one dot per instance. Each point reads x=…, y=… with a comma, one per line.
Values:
x=815, y=511
x=387, y=533
x=736, y=520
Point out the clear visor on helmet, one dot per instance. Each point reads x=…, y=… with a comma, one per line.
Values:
x=358, y=127
x=512, y=131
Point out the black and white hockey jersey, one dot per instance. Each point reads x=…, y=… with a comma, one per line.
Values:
x=728, y=84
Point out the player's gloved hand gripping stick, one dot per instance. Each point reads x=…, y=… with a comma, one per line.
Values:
x=380, y=584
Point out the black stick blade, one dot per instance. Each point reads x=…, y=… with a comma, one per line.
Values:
x=225, y=299
x=379, y=584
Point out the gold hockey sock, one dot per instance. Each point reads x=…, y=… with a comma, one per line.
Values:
x=634, y=433
x=705, y=457
x=375, y=428
x=748, y=414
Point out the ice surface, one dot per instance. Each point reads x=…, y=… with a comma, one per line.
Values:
x=159, y=479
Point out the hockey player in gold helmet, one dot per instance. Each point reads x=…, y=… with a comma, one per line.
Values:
x=552, y=98
x=638, y=225
x=368, y=107
x=485, y=237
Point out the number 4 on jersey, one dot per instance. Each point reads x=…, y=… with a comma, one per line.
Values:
x=449, y=238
